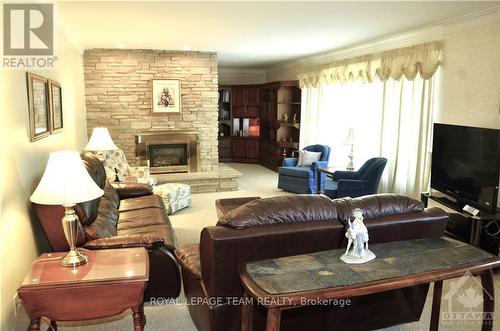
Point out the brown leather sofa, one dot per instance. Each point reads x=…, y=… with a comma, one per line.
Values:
x=127, y=215
x=289, y=225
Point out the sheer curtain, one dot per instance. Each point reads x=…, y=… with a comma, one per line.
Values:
x=390, y=119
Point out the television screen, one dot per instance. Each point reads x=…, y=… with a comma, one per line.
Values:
x=465, y=164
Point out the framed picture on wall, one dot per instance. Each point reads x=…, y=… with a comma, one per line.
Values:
x=165, y=96
x=37, y=107
x=55, y=107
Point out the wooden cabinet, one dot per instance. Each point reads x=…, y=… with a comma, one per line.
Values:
x=246, y=101
x=252, y=149
x=239, y=148
x=259, y=123
x=245, y=149
x=224, y=149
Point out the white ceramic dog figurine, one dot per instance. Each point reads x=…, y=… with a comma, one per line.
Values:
x=357, y=235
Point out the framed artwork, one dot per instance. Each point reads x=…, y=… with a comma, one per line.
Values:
x=55, y=107
x=165, y=96
x=38, y=106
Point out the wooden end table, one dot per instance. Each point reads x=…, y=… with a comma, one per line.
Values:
x=111, y=282
x=329, y=171
x=398, y=265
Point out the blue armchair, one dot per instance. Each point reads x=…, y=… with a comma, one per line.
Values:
x=354, y=184
x=303, y=179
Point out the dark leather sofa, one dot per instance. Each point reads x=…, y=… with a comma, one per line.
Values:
x=127, y=215
x=289, y=225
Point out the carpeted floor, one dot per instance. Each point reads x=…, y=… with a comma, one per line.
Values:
x=256, y=181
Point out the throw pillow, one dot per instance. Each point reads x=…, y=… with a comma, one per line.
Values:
x=301, y=158
x=308, y=158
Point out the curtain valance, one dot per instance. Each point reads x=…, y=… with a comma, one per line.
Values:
x=408, y=61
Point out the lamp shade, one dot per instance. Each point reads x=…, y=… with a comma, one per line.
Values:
x=350, y=137
x=100, y=140
x=65, y=181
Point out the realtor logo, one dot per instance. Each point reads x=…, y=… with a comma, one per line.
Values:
x=28, y=36
x=464, y=301
x=28, y=29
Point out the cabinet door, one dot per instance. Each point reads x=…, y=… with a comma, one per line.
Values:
x=252, y=149
x=238, y=148
x=252, y=96
x=239, y=111
x=239, y=97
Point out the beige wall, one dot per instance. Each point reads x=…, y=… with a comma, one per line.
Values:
x=468, y=83
x=22, y=164
x=229, y=76
x=118, y=96
x=468, y=90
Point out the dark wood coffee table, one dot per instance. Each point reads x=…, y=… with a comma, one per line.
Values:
x=289, y=282
x=111, y=282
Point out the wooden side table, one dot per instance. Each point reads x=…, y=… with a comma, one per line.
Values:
x=111, y=282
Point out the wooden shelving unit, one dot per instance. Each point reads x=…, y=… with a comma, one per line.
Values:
x=273, y=111
x=280, y=122
x=225, y=123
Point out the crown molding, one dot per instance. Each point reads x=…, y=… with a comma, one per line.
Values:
x=243, y=71
x=423, y=33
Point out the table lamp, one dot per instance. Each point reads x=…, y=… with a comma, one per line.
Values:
x=100, y=141
x=66, y=182
x=350, y=141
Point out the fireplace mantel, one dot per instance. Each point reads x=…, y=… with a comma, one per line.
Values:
x=146, y=141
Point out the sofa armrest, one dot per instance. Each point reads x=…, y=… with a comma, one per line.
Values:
x=132, y=190
x=337, y=175
x=124, y=241
x=189, y=259
x=290, y=162
x=350, y=184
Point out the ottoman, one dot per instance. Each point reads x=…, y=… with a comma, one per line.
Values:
x=175, y=196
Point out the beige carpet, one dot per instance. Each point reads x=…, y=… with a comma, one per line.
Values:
x=256, y=181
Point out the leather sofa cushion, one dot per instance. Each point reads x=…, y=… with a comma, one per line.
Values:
x=104, y=225
x=147, y=201
x=147, y=221
x=95, y=168
x=307, y=208
x=280, y=210
x=302, y=172
x=377, y=205
x=189, y=259
x=224, y=206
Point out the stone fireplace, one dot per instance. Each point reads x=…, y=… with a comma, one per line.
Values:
x=169, y=151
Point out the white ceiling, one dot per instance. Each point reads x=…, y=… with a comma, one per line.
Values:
x=249, y=34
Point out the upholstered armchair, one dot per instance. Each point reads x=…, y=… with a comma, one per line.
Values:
x=303, y=179
x=354, y=184
x=115, y=159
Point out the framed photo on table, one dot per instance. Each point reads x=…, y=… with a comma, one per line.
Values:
x=37, y=107
x=55, y=107
x=165, y=96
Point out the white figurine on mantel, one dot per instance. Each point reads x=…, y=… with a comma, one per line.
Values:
x=357, y=235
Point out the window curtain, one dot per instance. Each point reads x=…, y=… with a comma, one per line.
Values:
x=391, y=117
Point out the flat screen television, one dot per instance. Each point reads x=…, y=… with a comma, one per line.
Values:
x=465, y=164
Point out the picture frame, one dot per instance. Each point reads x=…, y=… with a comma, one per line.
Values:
x=165, y=96
x=38, y=107
x=55, y=107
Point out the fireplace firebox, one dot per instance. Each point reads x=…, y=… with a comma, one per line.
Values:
x=168, y=157
x=168, y=151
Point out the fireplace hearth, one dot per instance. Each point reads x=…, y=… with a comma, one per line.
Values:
x=168, y=151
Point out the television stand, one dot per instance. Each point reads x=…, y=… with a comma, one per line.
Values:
x=466, y=227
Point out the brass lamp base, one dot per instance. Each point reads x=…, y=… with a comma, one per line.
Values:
x=73, y=259
x=70, y=226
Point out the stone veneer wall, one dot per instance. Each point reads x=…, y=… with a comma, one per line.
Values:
x=118, y=96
